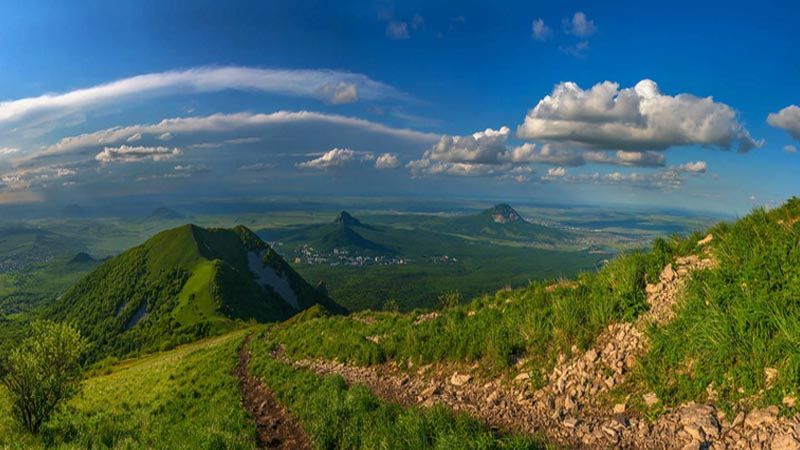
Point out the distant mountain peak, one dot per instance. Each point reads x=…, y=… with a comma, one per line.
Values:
x=504, y=213
x=344, y=218
x=81, y=257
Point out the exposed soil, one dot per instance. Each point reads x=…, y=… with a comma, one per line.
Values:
x=276, y=428
x=572, y=408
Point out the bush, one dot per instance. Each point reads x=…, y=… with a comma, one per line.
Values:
x=44, y=371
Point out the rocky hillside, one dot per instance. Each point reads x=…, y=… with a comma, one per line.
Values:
x=690, y=345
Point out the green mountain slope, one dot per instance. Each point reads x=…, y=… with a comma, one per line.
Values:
x=503, y=222
x=344, y=233
x=181, y=284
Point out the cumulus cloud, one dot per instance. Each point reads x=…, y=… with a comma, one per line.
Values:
x=555, y=172
x=336, y=157
x=387, y=161
x=633, y=119
x=342, y=88
x=551, y=154
x=540, y=31
x=787, y=119
x=482, y=147
x=790, y=149
x=579, y=25
x=397, y=30
x=128, y=154
x=694, y=167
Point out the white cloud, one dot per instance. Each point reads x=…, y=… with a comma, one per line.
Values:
x=694, y=167
x=134, y=137
x=556, y=172
x=387, y=161
x=579, y=25
x=397, y=30
x=127, y=154
x=787, y=119
x=790, y=149
x=551, y=154
x=336, y=157
x=540, y=31
x=303, y=83
x=482, y=147
x=256, y=167
x=638, y=118
x=4, y=151
x=221, y=123
x=190, y=169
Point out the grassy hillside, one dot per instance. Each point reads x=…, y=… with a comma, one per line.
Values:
x=182, y=284
x=734, y=338
x=184, y=398
x=337, y=416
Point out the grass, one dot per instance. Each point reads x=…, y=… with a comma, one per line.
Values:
x=535, y=322
x=185, y=398
x=336, y=416
x=737, y=319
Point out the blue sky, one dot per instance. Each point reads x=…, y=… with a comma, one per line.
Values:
x=378, y=98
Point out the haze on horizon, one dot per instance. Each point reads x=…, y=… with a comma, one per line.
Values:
x=669, y=106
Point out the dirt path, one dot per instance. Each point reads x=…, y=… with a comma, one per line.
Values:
x=568, y=409
x=276, y=428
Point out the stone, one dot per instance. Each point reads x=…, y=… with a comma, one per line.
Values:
x=789, y=401
x=591, y=355
x=668, y=274
x=784, y=442
x=770, y=375
x=619, y=408
x=570, y=422
x=431, y=391
x=760, y=417
x=459, y=379
x=705, y=240
x=650, y=399
x=524, y=376
x=569, y=403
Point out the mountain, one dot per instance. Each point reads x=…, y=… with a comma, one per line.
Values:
x=344, y=218
x=503, y=222
x=181, y=284
x=164, y=213
x=343, y=233
x=82, y=258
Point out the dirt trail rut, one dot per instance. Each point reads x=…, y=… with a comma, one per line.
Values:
x=276, y=428
x=567, y=410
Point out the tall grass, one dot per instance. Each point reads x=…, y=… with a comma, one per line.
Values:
x=535, y=322
x=336, y=416
x=737, y=319
x=184, y=398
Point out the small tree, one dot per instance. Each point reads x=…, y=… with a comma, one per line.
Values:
x=44, y=371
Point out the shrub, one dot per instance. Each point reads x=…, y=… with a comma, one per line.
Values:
x=44, y=371
x=450, y=300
